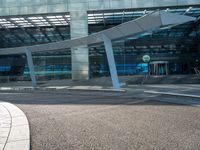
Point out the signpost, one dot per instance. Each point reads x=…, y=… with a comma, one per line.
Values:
x=146, y=59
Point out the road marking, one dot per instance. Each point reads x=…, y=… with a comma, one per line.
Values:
x=173, y=94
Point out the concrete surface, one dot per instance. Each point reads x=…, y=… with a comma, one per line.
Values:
x=14, y=128
x=114, y=121
x=52, y=88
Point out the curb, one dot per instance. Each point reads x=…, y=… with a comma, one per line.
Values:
x=18, y=132
x=97, y=90
x=66, y=88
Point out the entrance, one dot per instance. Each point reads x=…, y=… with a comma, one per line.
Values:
x=159, y=68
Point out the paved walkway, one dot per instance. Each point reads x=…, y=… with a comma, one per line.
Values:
x=14, y=128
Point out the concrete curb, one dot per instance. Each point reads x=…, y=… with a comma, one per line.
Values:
x=67, y=88
x=97, y=90
x=15, y=128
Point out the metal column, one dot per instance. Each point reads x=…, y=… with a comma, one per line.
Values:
x=31, y=68
x=111, y=61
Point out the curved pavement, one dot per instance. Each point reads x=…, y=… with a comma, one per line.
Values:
x=14, y=128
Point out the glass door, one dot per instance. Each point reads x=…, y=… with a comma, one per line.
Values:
x=159, y=68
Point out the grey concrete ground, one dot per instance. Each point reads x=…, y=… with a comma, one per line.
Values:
x=114, y=121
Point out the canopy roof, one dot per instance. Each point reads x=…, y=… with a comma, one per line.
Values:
x=148, y=22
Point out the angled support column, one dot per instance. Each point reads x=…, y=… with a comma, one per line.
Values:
x=111, y=61
x=31, y=68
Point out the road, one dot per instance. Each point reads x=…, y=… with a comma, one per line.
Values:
x=62, y=121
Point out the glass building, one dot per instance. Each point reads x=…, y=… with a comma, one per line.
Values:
x=173, y=50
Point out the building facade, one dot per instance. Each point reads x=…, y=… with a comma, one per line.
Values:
x=173, y=50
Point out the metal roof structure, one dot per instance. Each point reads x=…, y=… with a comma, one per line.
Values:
x=148, y=22
x=116, y=16
x=34, y=21
x=26, y=30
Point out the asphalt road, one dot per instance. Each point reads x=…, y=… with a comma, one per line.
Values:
x=80, y=122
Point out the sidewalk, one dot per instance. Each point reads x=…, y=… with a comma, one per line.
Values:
x=67, y=88
x=14, y=128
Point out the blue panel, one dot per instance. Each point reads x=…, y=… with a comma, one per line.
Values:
x=50, y=69
x=5, y=68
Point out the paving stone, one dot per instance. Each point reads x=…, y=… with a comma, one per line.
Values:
x=12, y=108
x=19, y=133
x=5, y=125
x=19, y=121
x=14, y=128
x=21, y=145
x=1, y=146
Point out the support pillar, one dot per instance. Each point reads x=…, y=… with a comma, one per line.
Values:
x=79, y=55
x=31, y=68
x=111, y=62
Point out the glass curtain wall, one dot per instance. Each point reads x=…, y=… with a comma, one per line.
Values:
x=179, y=46
x=51, y=65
